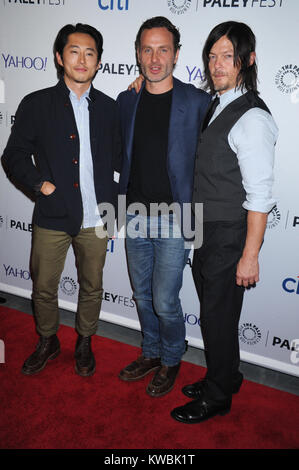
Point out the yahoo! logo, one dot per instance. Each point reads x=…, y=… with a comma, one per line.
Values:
x=291, y=285
x=194, y=73
x=191, y=319
x=37, y=63
x=17, y=272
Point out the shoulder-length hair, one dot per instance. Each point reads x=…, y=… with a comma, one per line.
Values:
x=243, y=41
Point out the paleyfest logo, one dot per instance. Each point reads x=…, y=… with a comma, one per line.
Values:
x=50, y=3
x=178, y=7
x=240, y=3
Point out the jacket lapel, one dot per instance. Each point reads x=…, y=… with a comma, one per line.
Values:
x=96, y=120
x=130, y=124
x=177, y=115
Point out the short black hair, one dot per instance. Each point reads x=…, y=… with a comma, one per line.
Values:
x=243, y=41
x=159, y=22
x=62, y=38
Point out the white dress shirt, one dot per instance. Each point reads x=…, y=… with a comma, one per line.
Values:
x=91, y=215
x=253, y=138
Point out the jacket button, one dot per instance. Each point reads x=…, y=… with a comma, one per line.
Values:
x=76, y=185
x=72, y=136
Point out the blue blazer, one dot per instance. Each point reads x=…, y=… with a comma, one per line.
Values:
x=188, y=108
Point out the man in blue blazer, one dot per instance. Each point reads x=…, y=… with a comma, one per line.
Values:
x=159, y=134
x=72, y=130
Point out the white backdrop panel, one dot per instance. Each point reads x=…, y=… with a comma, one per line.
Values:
x=269, y=333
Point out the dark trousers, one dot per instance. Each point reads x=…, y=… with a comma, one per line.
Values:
x=49, y=250
x=214, y=272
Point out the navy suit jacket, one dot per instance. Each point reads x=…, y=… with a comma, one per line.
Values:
x=188, y=108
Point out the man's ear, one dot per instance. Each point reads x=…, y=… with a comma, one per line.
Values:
x=59, y=59
x=252, y=58
x=176, y=56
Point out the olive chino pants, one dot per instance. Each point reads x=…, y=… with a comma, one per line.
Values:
x=49, y=250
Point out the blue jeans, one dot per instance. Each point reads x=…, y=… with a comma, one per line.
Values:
x=156, y=263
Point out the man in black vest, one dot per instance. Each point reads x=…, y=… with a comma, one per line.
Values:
x=233, y=179
x=72, y=130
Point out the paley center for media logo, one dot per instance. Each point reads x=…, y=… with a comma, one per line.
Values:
x=273, y=218
x=68, y=286
x=249, y=333
x=179, y=7
x=287, y=79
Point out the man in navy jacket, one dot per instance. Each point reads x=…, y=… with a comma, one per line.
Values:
x=159, y=134
x=72, y=130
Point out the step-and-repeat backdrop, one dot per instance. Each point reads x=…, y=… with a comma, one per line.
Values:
x=269, y=326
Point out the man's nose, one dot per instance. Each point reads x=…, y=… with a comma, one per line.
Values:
x=155, y=56
x=82, y=57
x=218, y=62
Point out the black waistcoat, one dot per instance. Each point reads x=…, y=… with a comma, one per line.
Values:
x=217, y=177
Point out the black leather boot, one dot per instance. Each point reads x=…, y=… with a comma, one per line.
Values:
x=85, y=361
x=47, y=348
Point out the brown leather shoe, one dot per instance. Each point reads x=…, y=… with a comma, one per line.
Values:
x=139, y=368
x=47, y=348
x=163, y=380
x=85, y=361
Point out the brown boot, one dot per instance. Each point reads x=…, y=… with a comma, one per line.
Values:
x=163, y=380
x=47, y=348
x=139, y=368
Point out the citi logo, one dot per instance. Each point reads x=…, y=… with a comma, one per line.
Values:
x=110, y=245
x=113, y=4
x=291, y=285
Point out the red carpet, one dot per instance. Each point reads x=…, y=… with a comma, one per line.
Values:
x=58, y=409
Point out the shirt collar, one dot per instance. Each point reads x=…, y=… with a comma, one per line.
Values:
x=73, y=95
x=229, y=96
